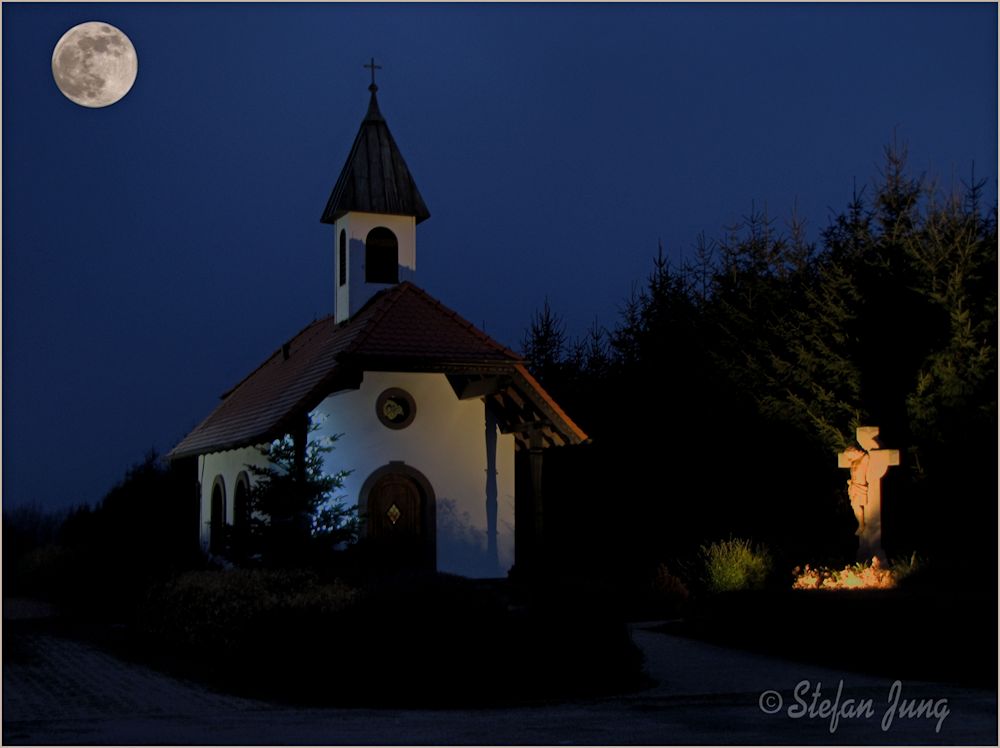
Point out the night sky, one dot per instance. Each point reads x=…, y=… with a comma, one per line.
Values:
x=157, y=250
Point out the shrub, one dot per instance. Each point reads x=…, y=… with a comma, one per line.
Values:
x=102, y=560
x=223, y=613
x=669, y=591
x=734, y=564
x=410, y=639
x=29, y=535
x=46, y=572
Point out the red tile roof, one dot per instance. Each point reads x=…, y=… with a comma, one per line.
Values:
x=402, y=327
x=408, y=322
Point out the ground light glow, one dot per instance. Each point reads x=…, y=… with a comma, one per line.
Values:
x=861, y=576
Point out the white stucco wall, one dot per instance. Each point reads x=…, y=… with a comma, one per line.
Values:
x=227, y=465
x=446, y=442
x=353, y=294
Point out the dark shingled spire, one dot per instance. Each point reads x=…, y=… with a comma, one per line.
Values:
x=375, y=178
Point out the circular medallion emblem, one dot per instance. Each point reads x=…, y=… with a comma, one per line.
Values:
x=395, y=408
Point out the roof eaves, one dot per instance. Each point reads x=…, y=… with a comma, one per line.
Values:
x=576, y=434
x=335, y=381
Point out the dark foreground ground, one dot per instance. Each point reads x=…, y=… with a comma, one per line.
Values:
x=942, y=634
x=59, y=689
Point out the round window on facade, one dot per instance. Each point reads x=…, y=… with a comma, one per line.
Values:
x=395, y=408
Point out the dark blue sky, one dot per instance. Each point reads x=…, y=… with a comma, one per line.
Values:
x=157, y=250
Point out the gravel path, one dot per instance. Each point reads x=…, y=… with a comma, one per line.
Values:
x=61, y=691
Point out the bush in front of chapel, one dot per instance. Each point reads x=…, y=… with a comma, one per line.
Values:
x=406, y=639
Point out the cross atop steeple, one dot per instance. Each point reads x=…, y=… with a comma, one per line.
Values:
x=373, y=88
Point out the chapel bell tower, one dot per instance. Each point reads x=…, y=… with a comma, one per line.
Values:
x=374, y=208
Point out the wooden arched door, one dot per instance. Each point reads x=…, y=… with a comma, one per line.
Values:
x=398, y=513
x=395, y=508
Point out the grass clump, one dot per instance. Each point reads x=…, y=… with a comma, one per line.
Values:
x=734, y=564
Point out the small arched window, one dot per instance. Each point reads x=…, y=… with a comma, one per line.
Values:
x=381, y=256
x=217, y=525
x=241, y=515
x=342, y=258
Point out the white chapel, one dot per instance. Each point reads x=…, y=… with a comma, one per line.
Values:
x=442, y=428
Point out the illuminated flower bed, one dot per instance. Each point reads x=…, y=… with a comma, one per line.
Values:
x=861, y=576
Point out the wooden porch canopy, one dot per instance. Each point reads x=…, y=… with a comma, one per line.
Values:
x=521, y=406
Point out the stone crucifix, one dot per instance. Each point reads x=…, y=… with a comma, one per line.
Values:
x=868, y=464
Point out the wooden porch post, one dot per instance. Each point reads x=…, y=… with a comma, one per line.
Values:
x=528, y=517
x=537, y=504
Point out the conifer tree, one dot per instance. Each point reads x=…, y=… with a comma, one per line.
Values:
x=544, y=346
x=294, y=508
x=955, y=261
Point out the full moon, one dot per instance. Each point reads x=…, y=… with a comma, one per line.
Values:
x=94, y=64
